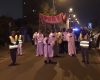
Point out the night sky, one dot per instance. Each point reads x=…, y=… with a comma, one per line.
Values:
x=86, y=10
x=12, y=8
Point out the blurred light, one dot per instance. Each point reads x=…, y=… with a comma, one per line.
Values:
x=78, y=22
x=75, y=29
x=74, y=15
x=25, y=16
x=24, y=3
x=33, y=10
x=76, y=19
x=61, y=3
x=71, y=21
x=70, y=10
x=90, y=25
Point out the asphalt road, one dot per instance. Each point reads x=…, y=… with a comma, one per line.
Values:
x=33, y=68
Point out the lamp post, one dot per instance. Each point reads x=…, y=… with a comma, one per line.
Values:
x=74, y=16
x=70, y=10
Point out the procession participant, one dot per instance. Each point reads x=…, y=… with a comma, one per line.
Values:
x=71, y=43
x=40, y=37
x=13, y=45
x=56, y=45
x=64, y=42
x=59, y=39
x=52, y=34
x=84, y=43
x=53, y=37
x=20, y=40
x=35, y=38
x=48, y=49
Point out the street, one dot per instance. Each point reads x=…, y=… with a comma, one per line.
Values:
x=33, y=68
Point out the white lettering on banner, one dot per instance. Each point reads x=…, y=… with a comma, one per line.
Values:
x=51, y=19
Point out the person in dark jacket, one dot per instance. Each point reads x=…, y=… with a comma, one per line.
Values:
x=13, y=45
x=84, y=43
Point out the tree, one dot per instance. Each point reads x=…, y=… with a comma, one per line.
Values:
x=47, y=10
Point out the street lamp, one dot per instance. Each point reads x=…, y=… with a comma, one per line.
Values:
x=74, y=16
x=70, y=10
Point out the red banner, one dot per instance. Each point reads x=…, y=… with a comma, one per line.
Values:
x=51, y=19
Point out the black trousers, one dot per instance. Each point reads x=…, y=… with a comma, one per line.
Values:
x=77, y=44
x=65, y=46
x=60, y=48
x=13, y=53
x=56, y=49
x=85, y=54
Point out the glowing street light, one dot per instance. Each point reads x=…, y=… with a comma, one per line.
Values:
x=70, y=10
x=74, y=16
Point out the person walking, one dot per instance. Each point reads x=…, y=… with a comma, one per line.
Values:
x=84, y=44
x=59, y=40
x=40, y=37
x=64, y=41
x=13, y=46
x=71, y=43
x=20, y=40
x=48, y=49
x=35, y=38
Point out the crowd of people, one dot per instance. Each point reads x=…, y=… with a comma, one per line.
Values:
x=53, y=43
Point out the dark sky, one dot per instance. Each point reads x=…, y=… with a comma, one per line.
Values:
x=12, y=8
x=87, y=10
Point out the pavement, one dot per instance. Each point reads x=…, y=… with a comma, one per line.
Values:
x=33, y=68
